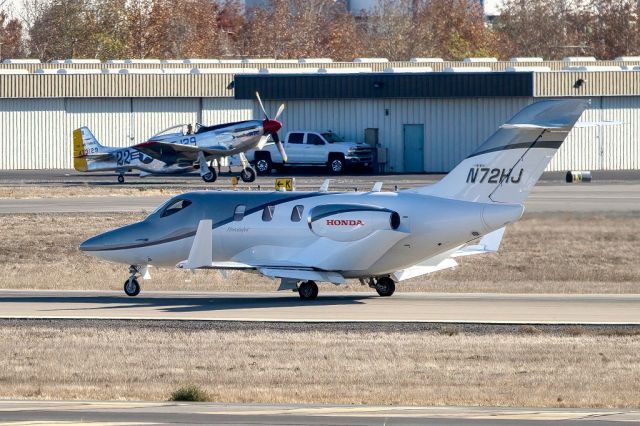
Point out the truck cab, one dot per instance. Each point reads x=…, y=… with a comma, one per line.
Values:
x=305, y=148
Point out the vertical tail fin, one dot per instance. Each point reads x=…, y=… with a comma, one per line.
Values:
x=85, y=145
x=507, y=165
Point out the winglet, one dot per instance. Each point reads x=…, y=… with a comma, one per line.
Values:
x=201, y=251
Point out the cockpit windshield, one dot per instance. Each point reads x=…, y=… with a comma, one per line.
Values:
x=175, y=207
x=170, y=207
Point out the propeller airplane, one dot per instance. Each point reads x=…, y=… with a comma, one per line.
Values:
x=180, y=149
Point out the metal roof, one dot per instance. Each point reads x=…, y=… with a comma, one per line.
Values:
x=384, y=85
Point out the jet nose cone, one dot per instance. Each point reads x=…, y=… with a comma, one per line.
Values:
x=271, y=126
x=92, y=244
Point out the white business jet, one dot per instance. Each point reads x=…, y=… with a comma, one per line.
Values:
x=380, y=238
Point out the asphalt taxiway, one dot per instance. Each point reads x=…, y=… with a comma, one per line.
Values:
x=163, y=413
x=329, y=307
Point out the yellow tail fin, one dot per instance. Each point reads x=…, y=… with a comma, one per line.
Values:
x=79, y=157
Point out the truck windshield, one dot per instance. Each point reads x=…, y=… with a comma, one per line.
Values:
x=332, y=137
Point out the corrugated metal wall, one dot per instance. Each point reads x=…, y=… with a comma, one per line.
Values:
x=37, y=132
x=453, y=128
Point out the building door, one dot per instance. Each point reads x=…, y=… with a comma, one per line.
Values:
x=413, y=135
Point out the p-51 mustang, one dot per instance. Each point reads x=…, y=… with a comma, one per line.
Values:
x=380, y=238
x=180, y=149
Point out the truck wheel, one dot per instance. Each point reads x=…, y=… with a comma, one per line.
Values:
x=336, y=164
x=263, y=164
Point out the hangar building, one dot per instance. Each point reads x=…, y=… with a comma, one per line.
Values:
x=425, y=115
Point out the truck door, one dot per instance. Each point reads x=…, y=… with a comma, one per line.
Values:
x=316, y=151
x=295, y=147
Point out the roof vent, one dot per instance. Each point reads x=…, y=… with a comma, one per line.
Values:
x=579, y=59
x=476, y=60
x=371, y=60
x=526, y=59
x=420, y=60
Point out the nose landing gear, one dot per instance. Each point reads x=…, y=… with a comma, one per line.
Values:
x=131, y=286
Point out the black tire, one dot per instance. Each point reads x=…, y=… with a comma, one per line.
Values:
x=308, y=290
x=131, y=287
x=120, y=179
x=385, y=286
x=263, y=164
x=336, y=164
x=248, y=174
x=211, y=176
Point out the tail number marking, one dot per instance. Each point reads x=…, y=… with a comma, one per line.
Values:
x=485, y=174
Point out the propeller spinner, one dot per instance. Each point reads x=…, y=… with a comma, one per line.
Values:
x=271, y=127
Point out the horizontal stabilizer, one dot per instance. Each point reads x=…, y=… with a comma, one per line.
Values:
x=201, y=251
x=490, y=243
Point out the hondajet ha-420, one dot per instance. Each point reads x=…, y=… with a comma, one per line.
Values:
x=380, y=238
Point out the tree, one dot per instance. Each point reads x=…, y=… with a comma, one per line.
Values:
x=63, y=29
x=547, y=28
x=11, y=43
x=615, y=29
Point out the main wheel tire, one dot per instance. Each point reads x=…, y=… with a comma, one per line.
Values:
x=336, y=164
x=385, y=286
x=248, y=174
x=263, y=164
x=308, y=290
x=131, y=287
x=120, y=179
x=211, y=176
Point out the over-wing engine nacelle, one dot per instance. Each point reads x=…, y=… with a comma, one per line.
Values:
x=344, y=222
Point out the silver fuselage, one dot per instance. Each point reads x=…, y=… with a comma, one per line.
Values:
x=428, y=226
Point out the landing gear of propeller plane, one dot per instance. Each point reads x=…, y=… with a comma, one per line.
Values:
x=120, y=178
x=308, y=290
x=132, y=286
x=385, y=286
x=248, y=174
x=211, y=175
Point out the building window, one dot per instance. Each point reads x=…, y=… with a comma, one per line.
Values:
x=296, y=213
x=238, y=214
x=267, y=213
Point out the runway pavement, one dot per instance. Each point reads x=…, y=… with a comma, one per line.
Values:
x=329, y=307
x=162, y=413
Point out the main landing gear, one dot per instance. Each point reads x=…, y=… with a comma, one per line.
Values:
x=208, y=173
x=384, y=286
x=248, y=173
x=308, y=290
x=131, y=286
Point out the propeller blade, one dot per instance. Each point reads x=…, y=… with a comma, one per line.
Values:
x=276, y=139
x=262, y=106
x=279, y=111
x=262, y=142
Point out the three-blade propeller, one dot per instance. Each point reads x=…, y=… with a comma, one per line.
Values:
x=271, y=127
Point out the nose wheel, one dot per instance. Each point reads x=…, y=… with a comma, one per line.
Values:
x=308, y=290
x=132, y=286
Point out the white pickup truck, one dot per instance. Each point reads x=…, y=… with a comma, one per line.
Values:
x=313, y=149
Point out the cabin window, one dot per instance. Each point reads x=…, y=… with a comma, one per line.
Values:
x=296, y=213
x=238, y=214
x=267, y=213
x=313, y=139
x=175, y=207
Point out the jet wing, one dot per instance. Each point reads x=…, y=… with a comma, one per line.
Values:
x=490, y=243
x=173, y=152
